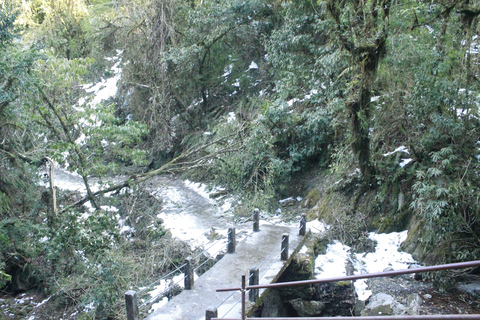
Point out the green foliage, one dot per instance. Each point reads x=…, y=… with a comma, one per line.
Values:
x=278, y=144
x=289, y=83
x=7, y=24
x=211, y=44
x=89, y=138
x=4, y=203
x=60, y=25
x=444, y=194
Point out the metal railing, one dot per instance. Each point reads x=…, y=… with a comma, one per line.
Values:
x=244, y=287
x=131, y=296
x=281, y=250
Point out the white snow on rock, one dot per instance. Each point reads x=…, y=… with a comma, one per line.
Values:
x=253, y=66
x=286, y=200
x=405, y=162
x=399, y=149
x=316, y=226
x=332, y=263
x=386, y=255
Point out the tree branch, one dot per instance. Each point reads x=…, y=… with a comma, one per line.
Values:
x=175, y=165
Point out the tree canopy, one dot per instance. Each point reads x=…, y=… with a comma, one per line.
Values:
x=381, y=97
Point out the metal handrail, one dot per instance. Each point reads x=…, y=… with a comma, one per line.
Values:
x=423, y=317
x=461, y=265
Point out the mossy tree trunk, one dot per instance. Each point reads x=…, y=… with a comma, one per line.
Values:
x=361, y=29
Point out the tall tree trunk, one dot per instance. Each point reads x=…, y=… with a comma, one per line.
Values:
x=365, y=40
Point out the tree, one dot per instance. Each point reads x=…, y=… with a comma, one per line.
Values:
x=186, y=64
x=361, y=29
x=88, y=139
x=59, y=24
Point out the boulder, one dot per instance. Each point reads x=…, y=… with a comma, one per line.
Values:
x=307, y=308
x=382, y=304
x=273, y=305
x=288, y=202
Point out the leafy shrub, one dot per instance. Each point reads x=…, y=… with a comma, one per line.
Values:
x=445, y=195
x=278, y=143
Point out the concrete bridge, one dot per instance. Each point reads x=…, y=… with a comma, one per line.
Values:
x=264, y=254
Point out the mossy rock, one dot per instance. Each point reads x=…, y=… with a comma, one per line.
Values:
x=344, y=283
x=330, y=205
x=312, y=198
x=320, y=246
x=392, y=222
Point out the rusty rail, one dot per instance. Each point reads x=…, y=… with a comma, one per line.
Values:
x=425, y=317
x=461, y=265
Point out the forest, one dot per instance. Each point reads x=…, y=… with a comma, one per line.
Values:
x=369, y=108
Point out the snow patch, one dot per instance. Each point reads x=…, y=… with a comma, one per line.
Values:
x=405, y=162
x=317, y=226
x=106, y=88
x=399, y=149
x=231, y=117
x=333, y=262
x=253, y=66
x=228, y=71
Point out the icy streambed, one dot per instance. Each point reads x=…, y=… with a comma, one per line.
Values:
x=386, y=255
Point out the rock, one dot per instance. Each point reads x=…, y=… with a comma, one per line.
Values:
x=471, y=288
x=339, y=298
x=359, y=307
x=311, y=199
x=217, y=194
x=414, y=302
x=273, y=305
x=288, y=202
x=383, y=304
x=427, y=296
x=388, y=269
x=307, y=308
x=416, y=276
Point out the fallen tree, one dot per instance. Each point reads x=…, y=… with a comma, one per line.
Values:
x=194, y=157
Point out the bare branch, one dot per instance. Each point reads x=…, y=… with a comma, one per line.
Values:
x=178, y=164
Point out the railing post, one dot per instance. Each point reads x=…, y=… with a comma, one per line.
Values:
x=189, y=274
x=232, y=242
x=253, y=281
x=244, y=302
x=132, y=305
x=303, y=225
x=256, y=220
x=211, y=313
x=284, y=252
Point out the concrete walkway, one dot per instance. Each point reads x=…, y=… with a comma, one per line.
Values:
x=253, y=251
